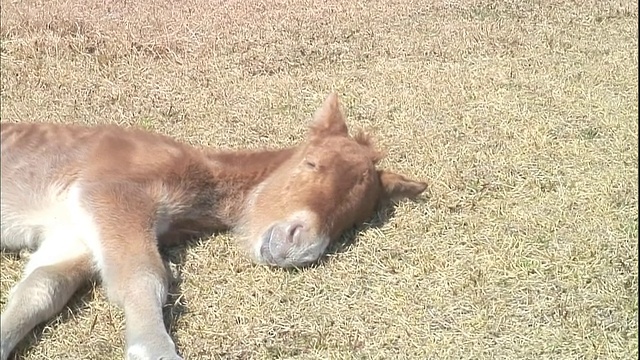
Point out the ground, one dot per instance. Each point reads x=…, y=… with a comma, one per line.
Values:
x=521, y=115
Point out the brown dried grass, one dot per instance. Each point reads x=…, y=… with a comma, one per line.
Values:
x=522, y=114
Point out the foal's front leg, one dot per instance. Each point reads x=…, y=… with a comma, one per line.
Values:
x=132, y=270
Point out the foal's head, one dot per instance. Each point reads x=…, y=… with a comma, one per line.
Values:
x=327, y=186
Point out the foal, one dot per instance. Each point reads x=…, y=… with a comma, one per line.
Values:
x=101, y=200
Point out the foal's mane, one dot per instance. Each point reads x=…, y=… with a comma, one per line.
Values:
x=367, y=141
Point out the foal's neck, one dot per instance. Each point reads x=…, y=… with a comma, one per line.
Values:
x=236, y=174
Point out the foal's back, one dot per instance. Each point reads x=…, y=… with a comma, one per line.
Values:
x=41, y=163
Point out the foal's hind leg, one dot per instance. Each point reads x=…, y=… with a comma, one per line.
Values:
x=52, y=276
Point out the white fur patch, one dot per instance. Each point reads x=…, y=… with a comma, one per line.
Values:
x=84, y=225
x=62, y=233
x=137, y=352
x=59, y=245
x=57, y=227
x=157, y=348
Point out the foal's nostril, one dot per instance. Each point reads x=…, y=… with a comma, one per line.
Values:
x=292, y=231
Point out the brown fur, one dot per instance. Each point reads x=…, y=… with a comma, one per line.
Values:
x=102, y=199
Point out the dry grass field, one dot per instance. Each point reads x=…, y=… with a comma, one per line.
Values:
x=522, y=116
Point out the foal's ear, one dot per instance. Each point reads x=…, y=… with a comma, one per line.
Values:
x=329, y=120
x=396, y=187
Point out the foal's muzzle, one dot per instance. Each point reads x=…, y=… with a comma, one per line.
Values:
x=291, y=244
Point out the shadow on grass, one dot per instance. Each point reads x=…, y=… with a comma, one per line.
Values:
x=176, y=304
x=350, y=237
